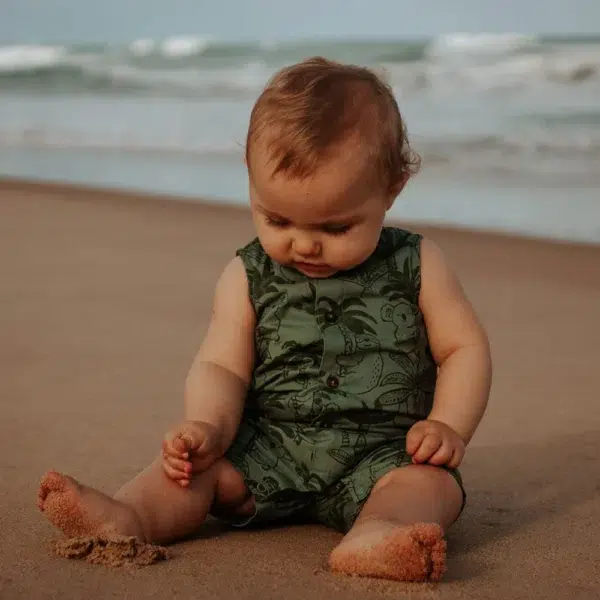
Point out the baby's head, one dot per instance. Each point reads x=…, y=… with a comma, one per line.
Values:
x=327, y=154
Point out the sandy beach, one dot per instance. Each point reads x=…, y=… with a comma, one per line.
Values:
x=104, y=299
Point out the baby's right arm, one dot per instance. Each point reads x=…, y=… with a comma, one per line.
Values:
x=218, y=380
x=216, y=386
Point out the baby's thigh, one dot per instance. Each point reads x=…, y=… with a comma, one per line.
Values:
x=269, y=474
x=340, y=505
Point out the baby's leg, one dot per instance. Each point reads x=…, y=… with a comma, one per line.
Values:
x=399, y=532
x=151, y=506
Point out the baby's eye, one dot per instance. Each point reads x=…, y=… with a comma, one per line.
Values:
x=336, y=229
x=276, y=222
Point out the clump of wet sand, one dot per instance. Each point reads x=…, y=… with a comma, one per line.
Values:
x=113, y=551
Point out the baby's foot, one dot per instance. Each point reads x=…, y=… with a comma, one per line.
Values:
x=78, y=510
x=410, y=553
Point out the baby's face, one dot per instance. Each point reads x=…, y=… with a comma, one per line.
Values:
x=326, y=223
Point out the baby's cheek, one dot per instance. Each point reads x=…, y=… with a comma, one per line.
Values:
x=346, y=257
x=279, y=247
x=351, y=251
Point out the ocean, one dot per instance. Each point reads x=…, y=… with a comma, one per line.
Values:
x=508, y=126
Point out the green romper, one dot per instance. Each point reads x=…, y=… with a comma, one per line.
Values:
x=343, y=370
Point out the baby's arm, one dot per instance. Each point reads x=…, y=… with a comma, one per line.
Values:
x=218, y=380
x=458, y=343
x=217, y=383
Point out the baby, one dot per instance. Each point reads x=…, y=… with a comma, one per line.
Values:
x=343, y=372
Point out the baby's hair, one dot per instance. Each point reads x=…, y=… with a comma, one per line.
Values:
x=309, y=109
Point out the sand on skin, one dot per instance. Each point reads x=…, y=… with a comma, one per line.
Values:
x=105, y=297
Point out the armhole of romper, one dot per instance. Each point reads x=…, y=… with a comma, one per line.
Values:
x=417, y=252
x=241, y=253
x=414, y=253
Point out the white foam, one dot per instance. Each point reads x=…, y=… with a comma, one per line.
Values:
x=142, y=47
x=479, y=44
x=234, y=81
x=184, y=45
x=521, y=72
x=25, y=58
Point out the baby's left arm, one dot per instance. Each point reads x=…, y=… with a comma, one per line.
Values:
x=458, y=343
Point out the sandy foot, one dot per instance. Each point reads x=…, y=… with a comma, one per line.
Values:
x=412, y=553
x=78, y=510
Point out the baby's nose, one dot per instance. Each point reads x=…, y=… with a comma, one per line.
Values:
x=306, y=245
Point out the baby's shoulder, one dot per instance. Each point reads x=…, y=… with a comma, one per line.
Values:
x=252, y=252
x=396, y=239
x=257, y=264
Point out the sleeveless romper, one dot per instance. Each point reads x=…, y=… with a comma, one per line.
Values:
x=343, y=370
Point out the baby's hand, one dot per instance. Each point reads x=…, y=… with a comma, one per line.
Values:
x=188, y=449
x=435, y=443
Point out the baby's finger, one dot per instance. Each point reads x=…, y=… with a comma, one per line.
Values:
x=181, y=446
x=170, y=447
x=457, y=456
x=183, y=466
x=429, y=446
x=173, y=473
x=192, y=437
x=442, y=456
x=414, y=438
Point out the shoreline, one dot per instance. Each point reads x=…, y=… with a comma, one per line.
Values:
x=75, y=191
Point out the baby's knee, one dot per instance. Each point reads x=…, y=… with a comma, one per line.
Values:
x=231, y=489
x=413, y=475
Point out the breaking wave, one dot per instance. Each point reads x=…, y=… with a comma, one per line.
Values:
x=199, y=65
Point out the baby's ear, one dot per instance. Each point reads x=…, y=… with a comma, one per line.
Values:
x=397, y=187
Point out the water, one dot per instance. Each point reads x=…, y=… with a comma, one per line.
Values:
x=508, y=125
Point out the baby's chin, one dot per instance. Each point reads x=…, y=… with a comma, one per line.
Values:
x=325, y=273
x=318, y=273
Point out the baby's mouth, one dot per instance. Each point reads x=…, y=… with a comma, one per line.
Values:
x=310, y=267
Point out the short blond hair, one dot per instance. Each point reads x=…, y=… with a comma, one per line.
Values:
x=307, y=110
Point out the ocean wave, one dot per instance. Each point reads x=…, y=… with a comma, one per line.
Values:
x=540, y=143
x=518, y=72
x=142, y=47
x=196, y=65
x=33, y=57
x=95, y=78
x=172, y=47
x=366, y=51
x=58, y=75
x=481, y=44
x=184, y=46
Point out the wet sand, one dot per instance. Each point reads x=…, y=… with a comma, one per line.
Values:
x=105, y=297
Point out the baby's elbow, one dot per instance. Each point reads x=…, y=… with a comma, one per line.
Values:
x=484, y=342
x=471, y=341
x=484, y=350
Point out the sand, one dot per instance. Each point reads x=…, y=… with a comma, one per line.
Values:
x=112, y=551
x=105, y=297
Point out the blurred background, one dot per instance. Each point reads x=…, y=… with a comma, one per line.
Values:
x=502, y=100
